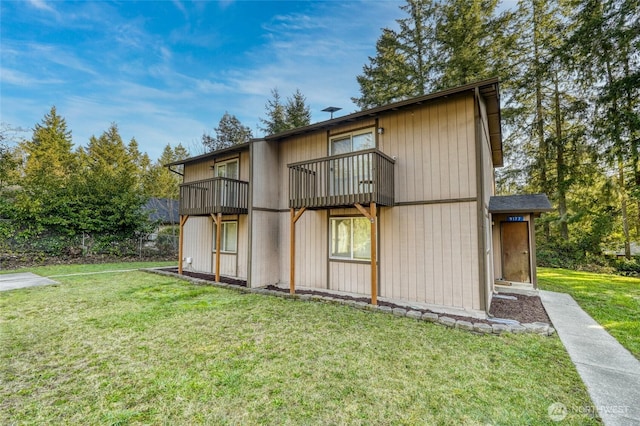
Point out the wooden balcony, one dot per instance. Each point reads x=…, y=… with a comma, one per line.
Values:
x=216, y=195
x=342, y=180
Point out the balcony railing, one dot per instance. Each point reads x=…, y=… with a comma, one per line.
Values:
x=342, y=180
x=216, y=195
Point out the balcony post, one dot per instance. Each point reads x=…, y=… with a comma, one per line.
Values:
x=374, y=255
x=183, y=220
x=292, y=248
x=372, y=215
x=218, y=223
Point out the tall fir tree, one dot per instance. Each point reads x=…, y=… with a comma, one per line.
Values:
x=437, y=46
x=110, y=200
x=285, y=116
x=160, y=182
x=297, y=112
x=276, y=121
x=605, y=40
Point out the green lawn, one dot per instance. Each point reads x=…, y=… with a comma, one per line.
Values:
x=137, y=348
x=611, y=300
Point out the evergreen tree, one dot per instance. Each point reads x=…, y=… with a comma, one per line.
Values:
x=160, y=182
x=282, y=117
x=405, y=61
x=472, y=42
x=276, y=120
x=8, y=159
x=109, y=199
x=605, y=41
x=439, y=45
x=49, y=156
x=47, y=171
x=230, y=131
x=297, y=112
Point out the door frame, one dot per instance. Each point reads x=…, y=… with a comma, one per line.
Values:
x=529, y=250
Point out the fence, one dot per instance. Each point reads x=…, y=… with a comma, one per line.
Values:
x=16, y=252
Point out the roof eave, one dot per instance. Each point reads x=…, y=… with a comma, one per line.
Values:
x=230, y=150
x=487, y=87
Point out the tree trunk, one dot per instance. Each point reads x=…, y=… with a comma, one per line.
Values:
x=623, y=205
x=542, y=144
x=560, y=167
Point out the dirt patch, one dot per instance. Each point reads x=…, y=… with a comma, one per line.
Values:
x=208, y=277
x=524, y=309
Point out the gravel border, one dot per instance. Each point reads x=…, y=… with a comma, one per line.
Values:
x=540, y=328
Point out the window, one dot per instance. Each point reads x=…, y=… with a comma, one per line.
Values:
x=350, y=238
x=351, y=174
x=227, y=169
x=354, y=141
x=229, y=237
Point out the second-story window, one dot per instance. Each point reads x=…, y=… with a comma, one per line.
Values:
x=351, y=174
x=352, y=141
x=227, y=169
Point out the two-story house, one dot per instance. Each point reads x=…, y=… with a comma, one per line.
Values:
x=395, y=202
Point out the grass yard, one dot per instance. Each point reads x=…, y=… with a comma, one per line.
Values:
x=611, y=300
x=137, y=348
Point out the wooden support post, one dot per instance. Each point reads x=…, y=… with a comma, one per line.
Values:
x=292, y=248
x=374, y=253
x=218, y=222
x=372, y=216
x=183, y=220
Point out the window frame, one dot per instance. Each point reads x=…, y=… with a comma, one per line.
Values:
x=351, y=257
x=351, y=134
x=223, y=240
x=225, y=163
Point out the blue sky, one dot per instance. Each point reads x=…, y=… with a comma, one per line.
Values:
x=166, y=71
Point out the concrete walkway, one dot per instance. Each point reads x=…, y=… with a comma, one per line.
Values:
x=610, y=372
x=23, y=280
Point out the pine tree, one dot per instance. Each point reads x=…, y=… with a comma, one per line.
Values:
x=605, y=42
x=109, y=198
x=297, y=112
x=50, y=159
x=471, y=41
x=281, y=117
x=160, y=182
x=276, y=120
x=405, y=61
x=48, y=170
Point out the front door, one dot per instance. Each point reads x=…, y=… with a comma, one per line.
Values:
x=516, y=265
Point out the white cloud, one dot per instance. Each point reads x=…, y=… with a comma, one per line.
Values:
x=42, y=5
x=18, y=78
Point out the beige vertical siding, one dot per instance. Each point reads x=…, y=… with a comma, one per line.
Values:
x=488, y=191
x=361, y=124
x=266, y=175
x=228, y=264
x=198, y=233
x=429, y=254
x=267, y=249
x=198, y=171
x=204, y=169
x=266, y=246
x=243, y=247
x=435, y=149
x=350, y=277
x=311, y=249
